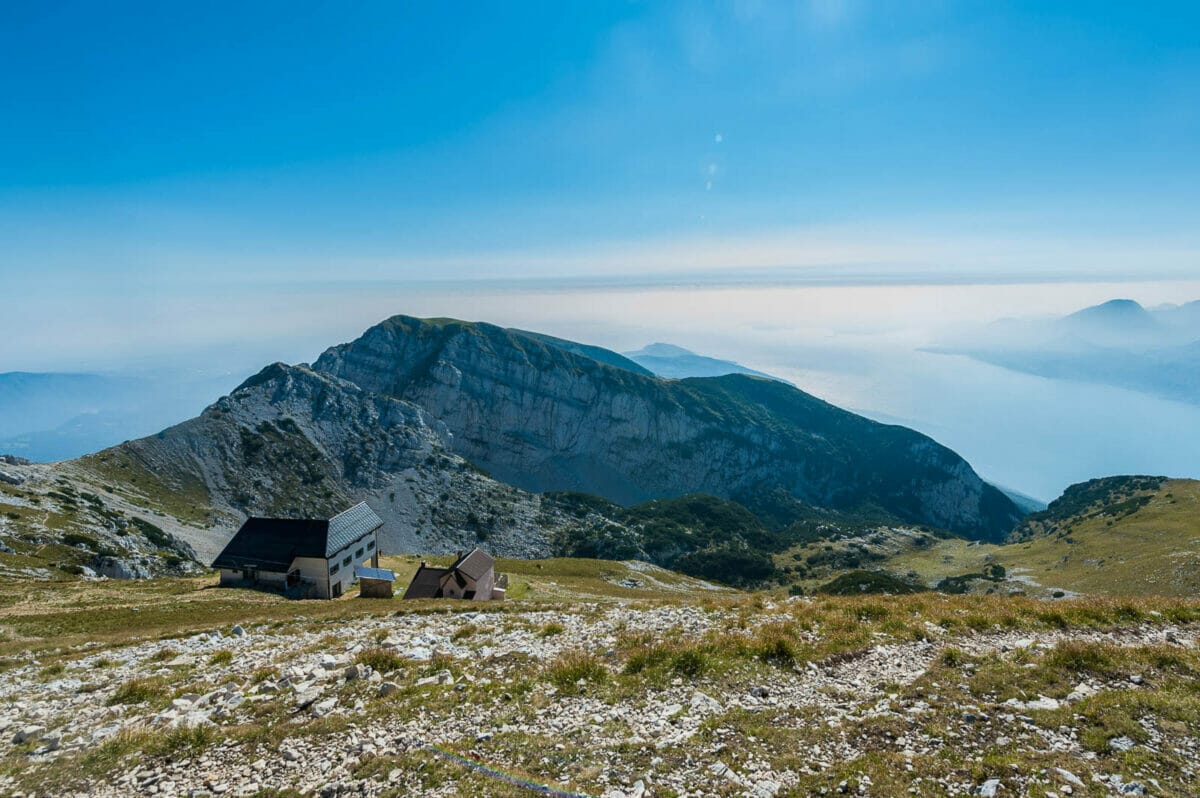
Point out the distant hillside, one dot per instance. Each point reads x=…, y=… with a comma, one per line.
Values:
x=675, y=362
x=1108, y=497
x=1115, y=319
x=1028, y=504
x=53, y=416
x=599, y=354
x=37, y=401
x=291, y=442
x=1126, y=535
x=1117, y=343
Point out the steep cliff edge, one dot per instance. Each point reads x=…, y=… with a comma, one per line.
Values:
x=541, y=417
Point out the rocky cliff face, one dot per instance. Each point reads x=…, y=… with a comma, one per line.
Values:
x=291, y=442
x=540, y=417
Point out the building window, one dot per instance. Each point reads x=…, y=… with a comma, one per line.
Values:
x=370, y=545
x=348, y=560
x=358, y=554
x=333, y=569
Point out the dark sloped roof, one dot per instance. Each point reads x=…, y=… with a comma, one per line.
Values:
x=426, y=583
x=350, y=525
x=474, y=565
x=273, y=543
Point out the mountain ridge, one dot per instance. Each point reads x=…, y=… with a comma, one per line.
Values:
x=544, y=418
x=675, y=362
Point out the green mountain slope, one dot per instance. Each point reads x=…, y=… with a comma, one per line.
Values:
x=1118, y=536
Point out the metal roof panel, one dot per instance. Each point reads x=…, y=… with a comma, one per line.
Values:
x=350, y=525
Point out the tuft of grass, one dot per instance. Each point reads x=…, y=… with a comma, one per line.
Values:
x=688, y=661
x=383, y=660
x=1079, y=657
x=109, y=754
x=50, y=671
x=184, y=740
x=551, y=629
x=465, y=631
x=572, y=671
x=953, y=657
x=222, y=657
x=138, y=691
x=775, y=644
x=261, y=675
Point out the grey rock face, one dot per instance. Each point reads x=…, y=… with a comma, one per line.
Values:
x=543, y=418
x=292, y=442
x=121, y=568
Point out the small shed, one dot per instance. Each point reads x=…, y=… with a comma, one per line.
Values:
x=374, y=582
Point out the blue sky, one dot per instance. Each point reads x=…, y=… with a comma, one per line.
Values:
x=153, y=151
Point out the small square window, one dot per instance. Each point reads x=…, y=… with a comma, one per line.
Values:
x=359, y=553
x=348, y=560
x=370, y=545
x=333, y=569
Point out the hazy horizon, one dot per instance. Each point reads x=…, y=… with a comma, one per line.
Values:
x=859, y=346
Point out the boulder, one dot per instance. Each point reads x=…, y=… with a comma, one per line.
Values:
x=26, y=733
x=121, y=568
x=988, y=789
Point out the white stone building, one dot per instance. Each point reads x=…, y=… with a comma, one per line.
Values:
x=302, y=557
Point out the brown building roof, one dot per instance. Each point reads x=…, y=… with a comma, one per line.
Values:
x=474, y=565
x=426, y=583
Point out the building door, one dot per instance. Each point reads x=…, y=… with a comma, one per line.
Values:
x=337, y=589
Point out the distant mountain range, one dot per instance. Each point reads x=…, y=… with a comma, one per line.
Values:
x=462, y=434
x=55, y=416
x=675, y=362
x=1119, y=343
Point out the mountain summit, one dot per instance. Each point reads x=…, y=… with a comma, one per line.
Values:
x=537, y=414
x=1113, y=321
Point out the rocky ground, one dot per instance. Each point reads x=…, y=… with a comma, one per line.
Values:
x=710, y=696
